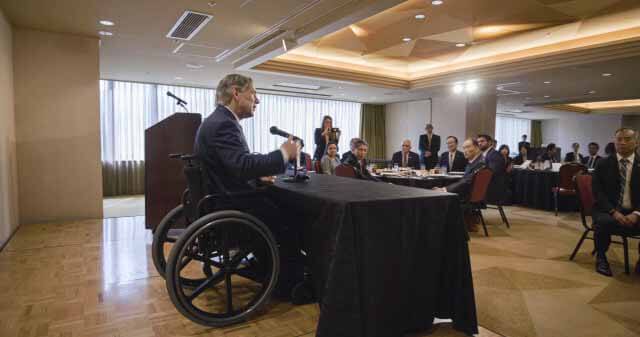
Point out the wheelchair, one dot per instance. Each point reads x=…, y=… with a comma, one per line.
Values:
x=220, y=263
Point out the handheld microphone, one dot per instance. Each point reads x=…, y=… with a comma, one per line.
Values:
x=180, y=100
x=275, y=131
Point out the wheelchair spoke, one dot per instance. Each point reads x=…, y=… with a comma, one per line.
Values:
x=238, y=257
x=185, y=261
x=213, y=280
x=229, y=293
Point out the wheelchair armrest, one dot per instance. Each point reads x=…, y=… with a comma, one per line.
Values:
x=189, y=156
x=176, y=155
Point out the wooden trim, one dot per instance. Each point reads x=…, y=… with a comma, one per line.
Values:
x=568, y=107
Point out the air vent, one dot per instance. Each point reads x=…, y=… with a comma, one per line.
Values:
x=291, y=92
x=298, y=86
x=188, y=25
x=266, y=39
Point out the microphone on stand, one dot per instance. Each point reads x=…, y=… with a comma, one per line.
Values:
x=275, y=131
x=298, y=176
x=179, y=100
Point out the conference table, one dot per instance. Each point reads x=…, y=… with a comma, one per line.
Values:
x=533, y=188
x=385, y=259
x=427, y=182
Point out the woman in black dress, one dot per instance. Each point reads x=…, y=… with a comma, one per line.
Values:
x=327, y=133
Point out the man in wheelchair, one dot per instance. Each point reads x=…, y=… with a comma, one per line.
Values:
x=228, y=164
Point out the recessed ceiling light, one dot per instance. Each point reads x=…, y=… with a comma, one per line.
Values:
x=437, y=2
x=178, y=78
x=106, y=23
x=606, y=74
x=458, y=87
x=546, y=96
x=460, y=45
x=298, y=86
x=471, y=87
x=420, y=16
x=406, y=39
x=212, y=3
x=547, y=82
x=194, y=66
x=592, y=92
x=105, y=33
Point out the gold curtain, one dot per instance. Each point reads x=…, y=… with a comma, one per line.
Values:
x=536, y=133
x=123, y=178
x=372, y=129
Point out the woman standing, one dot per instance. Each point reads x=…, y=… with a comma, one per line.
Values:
x=330, y=160
x=327, y=133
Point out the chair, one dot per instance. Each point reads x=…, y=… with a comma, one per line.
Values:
x=566, y=185
x=479, y=187
x=586, y=202
x=308, y=163
x=317, y=166
x=344, y=170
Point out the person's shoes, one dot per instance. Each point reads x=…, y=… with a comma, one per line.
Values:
x=602, y=266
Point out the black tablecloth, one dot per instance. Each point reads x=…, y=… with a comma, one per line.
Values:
x=421, y=182
x=385, y=259
x=534, y=189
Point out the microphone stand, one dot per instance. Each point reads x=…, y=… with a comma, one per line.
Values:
x=182, y=104
x=298, y=177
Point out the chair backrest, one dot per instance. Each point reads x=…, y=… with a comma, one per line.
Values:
x=344, y=170
x=567, y=172
x=586, y=199
x=317, y=166
x=308, y=163
x=480, y=185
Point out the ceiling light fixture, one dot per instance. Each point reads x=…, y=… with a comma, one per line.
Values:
x=547, y=96
x=420, y=16
x=106, y=23
x=457, y=88
x=406, y=39
x=460, y=45
x=178, y=78
x=606, y=74
x=547, y=82
x=437, y=2
x=194, y=66
x=471, y=87
x=105, y=33
x=592, y=92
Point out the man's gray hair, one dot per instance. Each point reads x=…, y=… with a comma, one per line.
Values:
x=224, y=92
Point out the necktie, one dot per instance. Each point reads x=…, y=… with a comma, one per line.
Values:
x=450, y=160
x=404, y=160
x=623, y=179
x=362, y=166
x=590, y=162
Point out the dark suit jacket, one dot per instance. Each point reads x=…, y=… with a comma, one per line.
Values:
x=462, y=187
x=434, y=147
x=413, y=161
x=361, y=171
x=225, y=156
x=571, y=156
x=497, y=189
x=526, y=144
x=606, y=184
x=585, y=161
x=459, y=161
x=546, y=157
x=346, y=157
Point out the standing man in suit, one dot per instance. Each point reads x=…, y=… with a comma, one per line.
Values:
x=453, y=159
x=592, y=160
x=616, y=188
x=406, y=158
x=429, y=147
x=524, y=143
x=495, y=161
x=229, y=164
x=574, y=156
x=359, y=161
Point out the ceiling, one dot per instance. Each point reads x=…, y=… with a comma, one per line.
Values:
x=140, y=51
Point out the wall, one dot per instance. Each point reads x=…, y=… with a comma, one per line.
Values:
x=631, y=121
x=8, y=165
x=57, y=126
x=582, y=129
x=407, y=120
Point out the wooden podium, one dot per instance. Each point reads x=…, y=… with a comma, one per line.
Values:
x=164, y=180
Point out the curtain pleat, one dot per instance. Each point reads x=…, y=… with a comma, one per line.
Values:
x=372, y=129
x=536, y=133
x=123, y=177
x=509, y=131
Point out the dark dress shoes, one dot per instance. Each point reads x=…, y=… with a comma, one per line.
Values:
x=602, y=266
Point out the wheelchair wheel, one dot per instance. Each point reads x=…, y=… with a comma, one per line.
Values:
x=244, y=261
x=165, y=236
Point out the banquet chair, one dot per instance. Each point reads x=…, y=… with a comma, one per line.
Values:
x=586, y=201
x=566, y=185
x=344, y=170
x=317, y=166
x=478, y=194
x=308, y=163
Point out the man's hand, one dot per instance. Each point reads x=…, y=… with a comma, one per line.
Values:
x=439, y=189
x=621, y=219
x=633, y=219
x=268, y=180
x=290, y=147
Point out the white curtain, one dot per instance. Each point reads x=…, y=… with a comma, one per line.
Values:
x=509, y=131
x=127, y=109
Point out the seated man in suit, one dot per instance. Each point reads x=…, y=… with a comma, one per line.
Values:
x=550, y=154
x=592, y=160
x=352, y=151
x=359, y=161
x=524, y=143
x=226, y=160
x=453, y=159
x=616, y=187
x=574, y=156
x=496, y=162
x=406, y=158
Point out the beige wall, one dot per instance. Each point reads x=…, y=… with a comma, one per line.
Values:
x=57, y=126
x=8, y=171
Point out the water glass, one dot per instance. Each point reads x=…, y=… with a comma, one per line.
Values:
x=396, y=167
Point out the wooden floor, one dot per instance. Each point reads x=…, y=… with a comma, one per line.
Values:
x=96, y=278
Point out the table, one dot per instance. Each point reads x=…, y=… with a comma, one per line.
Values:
x=427, y=182
x=385, y=259
x=533, y=189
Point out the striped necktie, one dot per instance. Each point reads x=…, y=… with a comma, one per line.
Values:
x=623, y=179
